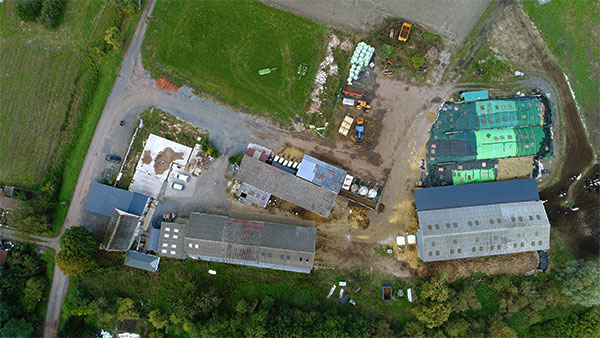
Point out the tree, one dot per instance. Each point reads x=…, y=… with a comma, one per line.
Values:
x=241, y=307
x=28, y=218
x=433, y=314
x=78, y=249
x=500, y=330
x=126, y=309
x=457, y=328
x=386, y=51
x=207, y=301
x=32, y=293
x=436, y=289
x=16, y=328
x=465, y=299
x=579, y=280
x=51, y=11
x=28, y=10
x=157, y=319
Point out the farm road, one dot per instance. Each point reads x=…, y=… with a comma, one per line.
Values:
x=453, y=20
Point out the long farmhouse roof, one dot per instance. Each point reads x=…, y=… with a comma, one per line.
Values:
x=229, y=240
x=481, y=219
x=284, y=185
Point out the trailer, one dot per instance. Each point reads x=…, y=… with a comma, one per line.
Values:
x=386, y=293
x=353, y=90
x=404, y=31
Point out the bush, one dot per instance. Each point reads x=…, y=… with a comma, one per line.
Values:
x=51, y=12
x=28, y=10
x=237, y=158
x=386, y=51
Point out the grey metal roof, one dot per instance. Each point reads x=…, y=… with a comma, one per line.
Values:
x=142, y=261
x=477, y=231
x=256, y=233
x=320, y=173
x=286, y=186
x=229, y=240
x=120, y=231
x=170, y=242
x=465, y=195
x=153, y=241
x=254, y=195
x=103, y=199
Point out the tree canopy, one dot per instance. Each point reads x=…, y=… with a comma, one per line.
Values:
x=579, y=280
x=78, y=249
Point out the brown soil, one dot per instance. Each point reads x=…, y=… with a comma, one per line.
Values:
x=147, y=157
x=163, y=160
x=165, y=84
x=514, y=168
x=517, y=264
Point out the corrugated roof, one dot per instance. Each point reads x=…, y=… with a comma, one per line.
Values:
x=255, y=233
x=120, y=231
x=229, y=240
x=482, y=230
x=286, y=186
x=142, y=261
x=104, y=199
x=476, y=194
x=321, y=173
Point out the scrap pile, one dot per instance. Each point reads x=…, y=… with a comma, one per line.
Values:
x=165, y=84
x=327, y=67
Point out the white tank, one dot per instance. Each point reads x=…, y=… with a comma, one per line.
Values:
x=363, y=191
x=372, y=193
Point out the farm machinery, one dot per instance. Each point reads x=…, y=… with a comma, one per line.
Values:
x=360, y=129
x=266, y=71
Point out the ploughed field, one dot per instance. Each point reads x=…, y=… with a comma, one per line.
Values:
x=218, y=47
x=38, y=67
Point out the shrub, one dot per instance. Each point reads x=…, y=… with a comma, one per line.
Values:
x=28, y=10
x=51, y=12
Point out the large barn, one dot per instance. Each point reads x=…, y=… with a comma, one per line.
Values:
x=228, y=240
x=481, y=219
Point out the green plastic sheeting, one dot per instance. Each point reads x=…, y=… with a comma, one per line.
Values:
x=472, y=176
x=509, y=142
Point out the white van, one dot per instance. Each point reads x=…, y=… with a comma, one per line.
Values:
x=177, y=186
x=182, y=177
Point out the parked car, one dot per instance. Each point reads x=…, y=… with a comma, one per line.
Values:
x=113, y=158
x=182, y=177
x=177, y=186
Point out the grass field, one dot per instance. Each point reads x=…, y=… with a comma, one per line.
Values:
x=571, y=30
x=218, y=47
x=37, y=74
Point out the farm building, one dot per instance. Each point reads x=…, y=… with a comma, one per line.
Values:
x=104, y=199
x=481, y=219
x=155, y=163
x=125, y=209
x=142, y=261
x=227, y=240
x=287, y=186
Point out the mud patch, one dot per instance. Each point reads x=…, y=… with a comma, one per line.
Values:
x=163, y=160
x=517, y=264
x=147, y=157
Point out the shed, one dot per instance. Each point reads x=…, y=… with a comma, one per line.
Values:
x=475, y=95
x=142, y=261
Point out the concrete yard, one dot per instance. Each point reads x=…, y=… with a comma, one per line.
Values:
x=453, y=20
